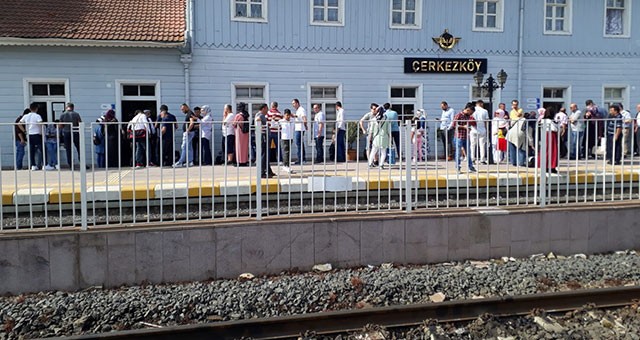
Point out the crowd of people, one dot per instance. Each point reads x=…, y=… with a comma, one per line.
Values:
x=471, y=134
x=515, y=135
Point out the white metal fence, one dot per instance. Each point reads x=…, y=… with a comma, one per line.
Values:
x=120, y=189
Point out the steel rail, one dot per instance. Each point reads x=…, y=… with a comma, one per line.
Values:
x=391, y=317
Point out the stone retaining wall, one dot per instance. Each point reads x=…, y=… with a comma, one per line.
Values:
x=71, y=259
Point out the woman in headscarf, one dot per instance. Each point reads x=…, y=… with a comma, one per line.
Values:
x=228, y=134
x=241, y=124
x=206, y=127
x=112, y=138
x=420, y=136
x=380, y=132
x=549, y=130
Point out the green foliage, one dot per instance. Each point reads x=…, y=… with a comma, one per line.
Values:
x=352, y=134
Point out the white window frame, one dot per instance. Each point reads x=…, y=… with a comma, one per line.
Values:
x=416, y=26
x=28, y=98
x=265, y=12
x=625, y=94
x=340, y=21
x=234, y=102
x=499, y=18
x=309, y=137
x=418, y=100
x=626, y=22
x=568, y=19
x=567, y=94
x=120, y=97
x=497, y=96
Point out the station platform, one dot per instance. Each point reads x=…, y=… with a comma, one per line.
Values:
x=26, y=187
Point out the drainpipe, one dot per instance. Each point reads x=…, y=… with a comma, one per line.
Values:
x=186, y=57
x=520, y=46
x=186, y=61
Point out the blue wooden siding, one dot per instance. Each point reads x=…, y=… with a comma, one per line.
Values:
x=366, y=30
x=89, y=70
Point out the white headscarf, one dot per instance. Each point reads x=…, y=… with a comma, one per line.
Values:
x=205, y=109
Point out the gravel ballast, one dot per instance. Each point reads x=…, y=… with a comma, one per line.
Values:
x=585, y=323
x=97, y=310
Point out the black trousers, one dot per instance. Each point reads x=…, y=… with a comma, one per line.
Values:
x=67, y=140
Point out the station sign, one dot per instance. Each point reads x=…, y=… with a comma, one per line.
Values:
x=445, y=65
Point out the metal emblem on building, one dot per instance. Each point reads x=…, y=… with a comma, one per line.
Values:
x=446, y=41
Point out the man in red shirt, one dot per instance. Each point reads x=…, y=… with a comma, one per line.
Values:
x=273, y=143
x=461, y=125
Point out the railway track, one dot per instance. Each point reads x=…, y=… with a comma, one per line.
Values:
x=389, y=317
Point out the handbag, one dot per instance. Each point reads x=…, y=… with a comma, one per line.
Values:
x=138, y=134
x=601, y=149
x=502, y=144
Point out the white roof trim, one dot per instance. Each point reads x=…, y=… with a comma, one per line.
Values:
x=86, y=43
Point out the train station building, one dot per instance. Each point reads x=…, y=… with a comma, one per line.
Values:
x=412, y=53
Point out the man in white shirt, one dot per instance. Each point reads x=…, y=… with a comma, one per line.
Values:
x=138, y=129
x=561, y=119
x=319, y=132
x=478, y=133
x=446, y=136
x=341, y=127
x=33, y=127
x=576, y=127
x=627, y=124
x=300, y=128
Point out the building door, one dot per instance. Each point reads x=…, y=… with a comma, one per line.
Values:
x=129, y=108
x=132, y=96
x=555, y=97
x=50, y=110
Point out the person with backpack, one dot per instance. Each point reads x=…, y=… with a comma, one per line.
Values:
x=241, y=124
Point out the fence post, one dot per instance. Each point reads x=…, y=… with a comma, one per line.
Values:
x=83, y=176
x=409, y=166
x=259, y=165
x=543, y=163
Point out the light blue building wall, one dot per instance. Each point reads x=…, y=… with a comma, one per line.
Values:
x=362, y=56
x=93, y=79
x=365, y=55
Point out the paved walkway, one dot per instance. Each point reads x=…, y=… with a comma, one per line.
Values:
x=37, y=187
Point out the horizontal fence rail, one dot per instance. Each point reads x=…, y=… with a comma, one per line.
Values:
x=109, y=173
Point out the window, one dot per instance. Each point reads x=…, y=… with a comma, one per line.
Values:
x=479, y=93
x=327, y=12
x=617, y=18
x=615, y=95
x=406, y=14
x=132, y=95
x=557, y=17
x=404, y=101
x=326, y=97
x=253, y=95
x=488, y=15
x=139, y=90
x=249, y=10
x=556, y=97
x=47, y=89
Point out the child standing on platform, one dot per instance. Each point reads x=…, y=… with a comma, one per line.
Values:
x=286, y=134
